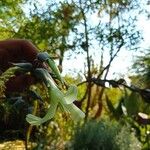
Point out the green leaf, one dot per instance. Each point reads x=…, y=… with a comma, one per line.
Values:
x=132, y=103
x=119, y=110
x=110, y=105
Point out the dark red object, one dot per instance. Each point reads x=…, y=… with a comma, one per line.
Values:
x=15, y=51
x=19, y=83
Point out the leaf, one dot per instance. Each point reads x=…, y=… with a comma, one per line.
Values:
x=24, y=66
x=132, y=103
x=119, y=110
x=145, y=93
x=110, y=105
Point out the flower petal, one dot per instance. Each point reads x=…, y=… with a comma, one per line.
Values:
x=33, y=120
x=55, y=69
x=75, y=112
x=51, y=112
x=71, y=94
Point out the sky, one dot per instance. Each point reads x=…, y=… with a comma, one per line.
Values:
x=121, y=66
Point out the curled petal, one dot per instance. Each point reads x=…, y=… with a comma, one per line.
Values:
x=56, y=97
x=33, y=120
x=51, y=112
x=75, y=112
x=71, y=95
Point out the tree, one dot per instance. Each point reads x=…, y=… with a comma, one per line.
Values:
x=50, y=28
x=66, y=26
x=142, y=70
x=112, y=35
x=115, y=34
x=12, y=16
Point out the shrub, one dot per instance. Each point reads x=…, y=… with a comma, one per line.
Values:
x=104, y=135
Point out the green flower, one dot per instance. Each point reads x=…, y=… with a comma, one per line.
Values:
x=57, y=97
x=45, y=57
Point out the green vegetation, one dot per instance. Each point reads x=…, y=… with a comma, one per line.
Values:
x=106, y=135
x=66, y=30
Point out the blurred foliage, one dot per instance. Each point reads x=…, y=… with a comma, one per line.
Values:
x=11, y=17
x=114, y=94
x=56, y=133
x=105, y=135
x=67, y=26
x=127, y=111
x=5, y=77
x=142, y=68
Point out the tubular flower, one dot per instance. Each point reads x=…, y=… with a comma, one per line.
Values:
x=57, y=97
